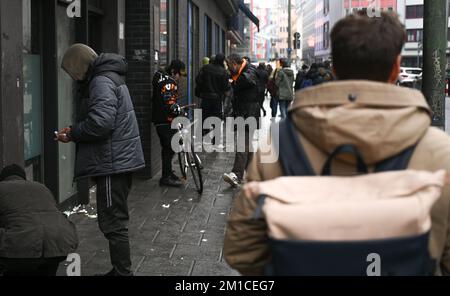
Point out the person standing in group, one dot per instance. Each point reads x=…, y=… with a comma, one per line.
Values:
x=263, y=79
x=109, y=147
x=165, y=97
x=206, y=61
x=273, y=90
x=285, y=83
x=212, y=87
x=300, y=77
x=246, y=105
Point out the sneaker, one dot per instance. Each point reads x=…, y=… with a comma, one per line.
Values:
x=231, y=179
x=170, y=182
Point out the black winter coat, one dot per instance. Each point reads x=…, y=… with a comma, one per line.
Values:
x=245, y=90
x=107, y=132
x=263, y=79
x=31, y=226
x=212, y=82
x=165, y=95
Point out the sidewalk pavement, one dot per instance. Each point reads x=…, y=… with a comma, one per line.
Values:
x=173, y=232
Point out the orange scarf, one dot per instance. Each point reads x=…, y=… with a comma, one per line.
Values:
x=236, y=77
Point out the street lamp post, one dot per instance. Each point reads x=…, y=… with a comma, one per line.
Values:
x=435, y=57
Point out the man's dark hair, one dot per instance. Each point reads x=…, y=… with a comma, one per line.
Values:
x=366, y=47
x=12, y=170
x=176, y=67
x=247, y=58
x=219, y=59
x=284, y=62
x=234, y=58
x=262, y=66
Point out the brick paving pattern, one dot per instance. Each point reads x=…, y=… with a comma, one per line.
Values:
x=173, y=231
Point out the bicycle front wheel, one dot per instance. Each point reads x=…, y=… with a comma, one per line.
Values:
x=182, y=160
x=195, y=166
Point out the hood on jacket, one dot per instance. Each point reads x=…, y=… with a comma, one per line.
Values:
x=109, y=62
x=77, y=60
x=381, y=120
x=289, y=72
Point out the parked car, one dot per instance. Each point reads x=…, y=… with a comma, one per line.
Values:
x=410, y=77
x=409, y=74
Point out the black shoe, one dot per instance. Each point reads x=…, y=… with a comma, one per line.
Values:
x=170, y=182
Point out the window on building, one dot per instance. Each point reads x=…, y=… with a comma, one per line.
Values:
x=217, y=37
x=414, y=11
x=224, y=42
x=326, y=35
x=326, y=7
x=414, y=35
x=163, y=31
x=208, y=36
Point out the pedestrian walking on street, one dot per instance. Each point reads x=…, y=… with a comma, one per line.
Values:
x=35, y=237
x=263, y=80
x=285, y=82
x=212, y=87
x=363, y=109
x=109, y=147
x=165, y=97
x=246, y=105
x=273, y=90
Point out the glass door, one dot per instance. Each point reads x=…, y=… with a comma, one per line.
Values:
x=32, y=96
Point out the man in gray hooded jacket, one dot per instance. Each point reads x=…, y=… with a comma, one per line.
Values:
x=108, y=143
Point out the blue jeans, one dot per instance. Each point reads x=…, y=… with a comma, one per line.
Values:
x=284, y=106
x=274, y=106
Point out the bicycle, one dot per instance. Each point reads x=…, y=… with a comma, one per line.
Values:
x=188, y=159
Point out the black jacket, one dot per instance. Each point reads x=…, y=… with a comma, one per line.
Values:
x=245, y=90
x=299, y=79
x=212, y=82
x=107, y=132
x=31, y=226
x=165, y=95
x=263, y=79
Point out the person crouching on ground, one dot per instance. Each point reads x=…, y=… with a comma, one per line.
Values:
x=35, y=237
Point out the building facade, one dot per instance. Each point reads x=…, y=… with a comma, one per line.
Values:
x=411, y=12
x=309, y=37
x=320, y=16
x=37, y=97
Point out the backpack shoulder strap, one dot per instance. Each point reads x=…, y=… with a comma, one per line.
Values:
x=399, y=162
x=116, y=78
x=292, y=155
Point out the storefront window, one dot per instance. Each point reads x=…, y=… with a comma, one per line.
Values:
x=163, y=32
x=32, y=96
x=66, y=105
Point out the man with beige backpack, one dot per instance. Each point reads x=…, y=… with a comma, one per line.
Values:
x=361, y=185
